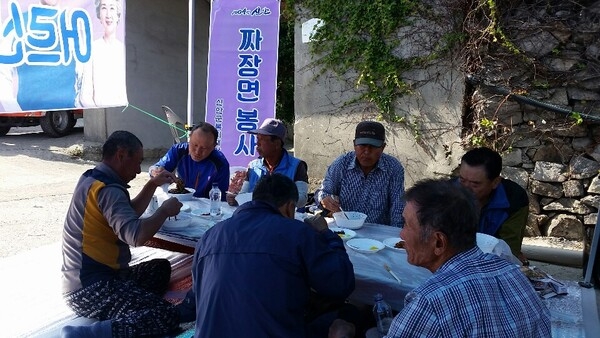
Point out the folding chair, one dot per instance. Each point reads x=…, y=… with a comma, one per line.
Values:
x=179, y=129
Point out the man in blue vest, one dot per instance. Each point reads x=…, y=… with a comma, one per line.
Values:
x=270, y=138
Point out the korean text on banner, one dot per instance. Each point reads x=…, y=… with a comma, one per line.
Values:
x=62, y=55
x=242, y=73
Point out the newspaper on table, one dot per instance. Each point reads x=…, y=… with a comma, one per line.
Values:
x=546, y=285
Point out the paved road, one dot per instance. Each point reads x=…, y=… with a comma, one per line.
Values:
x=36, y=184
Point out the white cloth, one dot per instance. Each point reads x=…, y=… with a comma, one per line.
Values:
x=104, y=77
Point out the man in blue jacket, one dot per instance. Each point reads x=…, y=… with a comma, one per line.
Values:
x=253, y=273
x=503, y=204
x=197, y=162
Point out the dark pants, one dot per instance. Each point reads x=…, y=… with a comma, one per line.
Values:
x=323, y=311
x=133, y=302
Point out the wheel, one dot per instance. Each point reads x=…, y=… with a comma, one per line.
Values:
x=4, y=130
x=73, y=123
x=57, y=123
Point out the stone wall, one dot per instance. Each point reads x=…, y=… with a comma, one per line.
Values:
x=549, y=153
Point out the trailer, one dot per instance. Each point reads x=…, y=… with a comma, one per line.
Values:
x=55, y=123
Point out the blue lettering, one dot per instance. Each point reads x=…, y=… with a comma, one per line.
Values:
x=242, y=148
x=251, y=39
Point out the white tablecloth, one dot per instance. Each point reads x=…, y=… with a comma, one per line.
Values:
x=371, y=276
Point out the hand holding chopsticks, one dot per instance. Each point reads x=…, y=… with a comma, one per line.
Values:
x=337, y=199
x=387, y=267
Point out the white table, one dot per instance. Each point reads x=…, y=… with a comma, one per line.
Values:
x=371, y=276
x=568, y=313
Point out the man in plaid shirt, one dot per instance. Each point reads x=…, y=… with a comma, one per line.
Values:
x=471, y=293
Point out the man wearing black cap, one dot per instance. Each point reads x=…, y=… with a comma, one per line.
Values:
x=274, y=159
x=366, y=179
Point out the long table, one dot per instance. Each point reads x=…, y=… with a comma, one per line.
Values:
x=371, y=276
x=572, y=315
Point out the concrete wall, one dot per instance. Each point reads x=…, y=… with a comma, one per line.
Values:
x=325, y=124
x=157, y=67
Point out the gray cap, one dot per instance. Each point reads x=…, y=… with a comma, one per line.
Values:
x=272, y=127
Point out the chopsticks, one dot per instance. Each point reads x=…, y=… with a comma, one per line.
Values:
x=337, y=199
x=387, y=267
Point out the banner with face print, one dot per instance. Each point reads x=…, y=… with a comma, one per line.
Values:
x=242, y=72
x=58, y=55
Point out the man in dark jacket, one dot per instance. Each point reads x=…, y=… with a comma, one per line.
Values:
x=253, y=273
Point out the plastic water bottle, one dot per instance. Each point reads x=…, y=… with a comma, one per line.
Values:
x=215, y=200
x=383, y=315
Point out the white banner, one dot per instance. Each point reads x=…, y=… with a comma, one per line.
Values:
x=62, y=54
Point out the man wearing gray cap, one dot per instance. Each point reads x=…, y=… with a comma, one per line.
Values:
x=274, y=158
x=366, y=179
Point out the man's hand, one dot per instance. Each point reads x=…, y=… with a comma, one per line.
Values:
x=163, y=177
x=317, y=222
x=171, y=207
x=155, y=170
x=230, y=197
x=331, y=203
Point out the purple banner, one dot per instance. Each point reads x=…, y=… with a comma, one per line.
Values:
x=62, y=54
x=242, y=73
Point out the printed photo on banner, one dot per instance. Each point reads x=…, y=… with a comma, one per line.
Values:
x=59, y=54
x=242, y=73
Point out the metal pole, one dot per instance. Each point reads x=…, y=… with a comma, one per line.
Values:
x=190, y=89
x=587, y=280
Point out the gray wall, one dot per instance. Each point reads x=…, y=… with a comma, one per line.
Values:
x=325, y=124
x=156, y=42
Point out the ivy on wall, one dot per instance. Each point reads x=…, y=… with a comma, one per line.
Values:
x=358, y=37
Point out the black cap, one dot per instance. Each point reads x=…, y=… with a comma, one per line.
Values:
x=371, y=133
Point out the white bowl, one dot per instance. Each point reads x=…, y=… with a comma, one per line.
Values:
x=365, y=245
x=183, y=197
x=177, y=222
x=349, y=219
x=391, y=243
x=243, y=198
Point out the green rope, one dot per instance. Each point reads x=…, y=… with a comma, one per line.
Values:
x=157, y=118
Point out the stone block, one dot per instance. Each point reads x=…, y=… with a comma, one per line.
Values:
x=573, y=188
x=534, y=204
x=545, y=189
x=518, y=175
x=568, y=205
x=549, y=172
x=553, y=153
x=594, y=187
x=590, y=219
x=572, y=130
x=527, y=142
x=546, y=200
x=581, y=143
x=582, y=167
x=566, y=226
x=591, y=201
x=582, y=95
x=513, y=158
x=538, y=44
x=561, y=63
x=595, y=154
x=534, y=223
